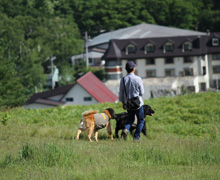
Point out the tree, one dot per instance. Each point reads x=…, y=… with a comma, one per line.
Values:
x=12, y=92
x=67, y=74
x=80, y=69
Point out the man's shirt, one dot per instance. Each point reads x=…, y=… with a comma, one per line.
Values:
x=134, y=87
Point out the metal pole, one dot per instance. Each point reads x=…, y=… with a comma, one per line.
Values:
x=207, y=72
x=51, y=60
x=52, y=71
x=217, y=84
x=86, y=46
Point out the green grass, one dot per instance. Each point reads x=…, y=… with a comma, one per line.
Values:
x=183, y=143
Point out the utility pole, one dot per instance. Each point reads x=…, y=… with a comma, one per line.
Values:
x=86, y=49
x=52, y=58
x=217, y=85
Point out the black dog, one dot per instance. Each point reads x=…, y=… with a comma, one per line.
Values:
x=121, y=119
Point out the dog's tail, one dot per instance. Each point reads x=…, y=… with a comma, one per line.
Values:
x=86, y=113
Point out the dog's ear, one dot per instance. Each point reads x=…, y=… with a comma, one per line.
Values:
x=111, y=112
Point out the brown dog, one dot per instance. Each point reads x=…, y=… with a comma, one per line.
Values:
x=93, y=121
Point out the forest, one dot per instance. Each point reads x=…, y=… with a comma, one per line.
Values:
x=32, y=31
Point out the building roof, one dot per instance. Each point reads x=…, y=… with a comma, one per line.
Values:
x=210, y=48
x=96, y=88
x=42, y=98
x=89, y=82
x=140, y=31
x=200, y=47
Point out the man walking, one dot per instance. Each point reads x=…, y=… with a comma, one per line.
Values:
x=132, y=86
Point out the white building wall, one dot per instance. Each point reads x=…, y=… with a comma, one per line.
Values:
x=141, y=67
x=159, y=66
x=56, y=98
x=78, y=94
x=178, y=65
x=214, y=76
x=37, y=106
x=161, y=83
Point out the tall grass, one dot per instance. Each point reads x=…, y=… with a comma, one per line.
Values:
x=183, y=143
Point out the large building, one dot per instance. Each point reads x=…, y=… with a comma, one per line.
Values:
x=168, y=59
x=97, y=46
x=167, y=64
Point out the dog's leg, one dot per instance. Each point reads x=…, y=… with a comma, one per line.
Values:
x=90, y=127
x=116, y=132
x=109, y=129
x=81, y=128
x=89, y=133
x=78, y=133
x=144, y=129
x=132, y=130
x=96, y=135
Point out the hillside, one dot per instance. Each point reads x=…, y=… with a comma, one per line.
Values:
x=183, y=143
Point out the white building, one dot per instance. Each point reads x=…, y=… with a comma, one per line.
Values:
x=98, y=45
x=88, y=90
x=167, y=64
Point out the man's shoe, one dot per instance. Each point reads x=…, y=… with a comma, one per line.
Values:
x=124, y=134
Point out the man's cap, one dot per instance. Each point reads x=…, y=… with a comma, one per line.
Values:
x=130, y=65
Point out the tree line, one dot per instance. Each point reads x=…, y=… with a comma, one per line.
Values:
x=31, y=31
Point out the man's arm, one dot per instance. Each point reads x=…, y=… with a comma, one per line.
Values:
x=121, y=94
x=141, y=87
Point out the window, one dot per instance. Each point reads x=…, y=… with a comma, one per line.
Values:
x=113, y=63
x=216, y=69
x=87, y=98
x=187, y=46
x=188, y=72
x=69, y=99
x=151, y=73
x=188, y=60
x=150, y=61
x=181, y=73
x=169, y=60
x=131, y=49
x=215, y=41
x=168, y=47
x=202, y=86
x=217, y=84
x=216, y=57
x=90, y=61
x=190, y=89
x=149, y=48
x=203, y=70
x=169, y=72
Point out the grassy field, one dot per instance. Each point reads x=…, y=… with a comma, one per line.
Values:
x=183, y=143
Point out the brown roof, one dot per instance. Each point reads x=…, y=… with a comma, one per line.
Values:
x=117, y=47
x=39, y=97
x=210, y=48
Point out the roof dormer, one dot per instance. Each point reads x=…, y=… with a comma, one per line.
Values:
x=215, y=41
x=149, y=48
x=187, y=46
x=168, y=46
x=131, y=48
